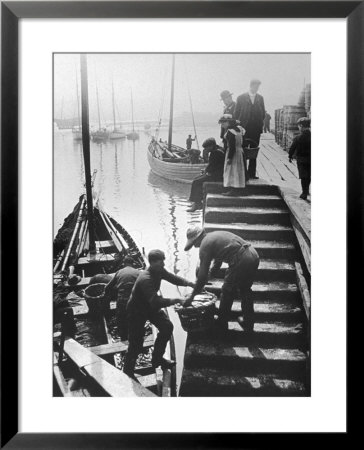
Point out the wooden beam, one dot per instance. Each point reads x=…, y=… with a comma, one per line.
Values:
x=112, y=380
x=116, y=347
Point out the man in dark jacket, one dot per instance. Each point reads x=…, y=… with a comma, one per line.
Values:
x=145, y=304
x=301, y=149
x=120, y=287
x=250, y=111
x=243, y=261
x=214, y=172
x=229, y=106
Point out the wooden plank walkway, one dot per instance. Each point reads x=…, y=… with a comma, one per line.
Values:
x=273, y=165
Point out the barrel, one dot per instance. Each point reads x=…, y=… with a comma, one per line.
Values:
x=291, y=114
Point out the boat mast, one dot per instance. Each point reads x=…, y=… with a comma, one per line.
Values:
x=86, y=153
x=113, y=103
x=98, y=106
x=171, y=108
x=132, y=108
x=78, y=104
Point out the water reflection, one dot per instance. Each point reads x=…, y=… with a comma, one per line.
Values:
x=152, y=209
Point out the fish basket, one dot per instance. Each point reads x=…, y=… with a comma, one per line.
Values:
x=199, y=316
x=251, y=149
x=95, y=297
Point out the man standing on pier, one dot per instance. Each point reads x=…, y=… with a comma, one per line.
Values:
x=250, y=111
x=301, y=149
x=229, y=106
x=145, y=304
x=243, y=261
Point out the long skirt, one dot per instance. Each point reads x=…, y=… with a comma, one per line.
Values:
x=234, y=173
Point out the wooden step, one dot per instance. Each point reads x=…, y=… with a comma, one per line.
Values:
x=270, y=312
x=208, y=382
x=282, y=334
x=275, y=249
x=254, y=187
x=270, y=201
x=262, y=291
x=233, y=214
x=269, y=270
x=254, y=231
x=249, y=360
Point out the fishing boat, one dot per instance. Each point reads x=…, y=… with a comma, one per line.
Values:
x=90, y=242
x=101, y=134
x=133, y=135
x=171, y=161
x=116, y=133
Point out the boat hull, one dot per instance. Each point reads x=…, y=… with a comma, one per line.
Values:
x=117, y=135
x=181, y=172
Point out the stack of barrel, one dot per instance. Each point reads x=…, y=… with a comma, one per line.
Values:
x=286, y=128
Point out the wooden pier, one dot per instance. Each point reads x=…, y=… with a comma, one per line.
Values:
x=274, y=359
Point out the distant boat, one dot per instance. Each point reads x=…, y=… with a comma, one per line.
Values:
x=168, y=160
x=102, y=133
x=116, y=133
x=132, y=136
x=77, y=130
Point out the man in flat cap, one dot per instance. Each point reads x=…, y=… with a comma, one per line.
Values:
x=243, y=262
x=229, y=106
x=146, y=304
x=250, y=111
x=214, y=171
x=301, y=150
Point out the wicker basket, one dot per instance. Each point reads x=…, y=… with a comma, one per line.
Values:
x=251, y=149
x=200, y=315
x=94, y=296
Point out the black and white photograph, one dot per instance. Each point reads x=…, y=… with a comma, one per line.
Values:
x=182, y=224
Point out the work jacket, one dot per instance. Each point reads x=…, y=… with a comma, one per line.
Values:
x=250, y=115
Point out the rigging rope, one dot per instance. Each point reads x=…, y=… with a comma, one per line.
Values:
x=156, y=134
x=189, y=95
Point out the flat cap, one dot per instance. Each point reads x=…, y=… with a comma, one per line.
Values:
x=209, y=142
x=156, y=255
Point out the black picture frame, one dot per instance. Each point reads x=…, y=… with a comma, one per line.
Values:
x=11, y=13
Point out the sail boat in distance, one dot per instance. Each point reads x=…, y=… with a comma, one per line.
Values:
x=102, y=133
x=133, y=136
x=117, y=133
x=168, y=160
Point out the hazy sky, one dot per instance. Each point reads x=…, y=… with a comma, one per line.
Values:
x=148, y=75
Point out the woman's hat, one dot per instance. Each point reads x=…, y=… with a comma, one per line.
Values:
x=226, y=118
x=192, y=234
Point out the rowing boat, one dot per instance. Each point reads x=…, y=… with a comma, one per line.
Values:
x=174, y=169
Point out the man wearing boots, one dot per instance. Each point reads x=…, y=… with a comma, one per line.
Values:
x=145, y=304
x=301, y=149
x=243, y=261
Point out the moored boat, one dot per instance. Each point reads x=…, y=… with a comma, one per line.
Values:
x=171, y=161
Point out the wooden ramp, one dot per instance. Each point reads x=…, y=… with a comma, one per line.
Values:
x=273, y=360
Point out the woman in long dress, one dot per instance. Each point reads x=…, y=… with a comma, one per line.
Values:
x=234, y=168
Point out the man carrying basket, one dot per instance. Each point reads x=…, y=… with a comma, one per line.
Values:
x=243, y=261
x=145, y=304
